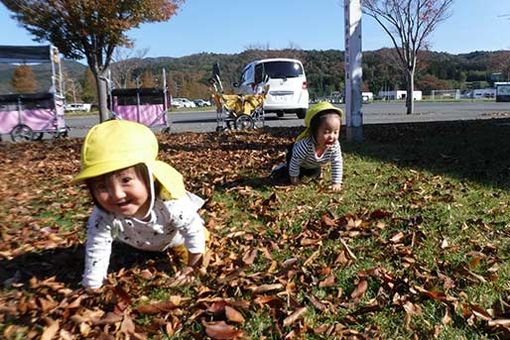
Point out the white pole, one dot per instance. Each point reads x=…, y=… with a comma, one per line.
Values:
x=353, y=70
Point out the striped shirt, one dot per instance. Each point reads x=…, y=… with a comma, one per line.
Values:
x=304, y=155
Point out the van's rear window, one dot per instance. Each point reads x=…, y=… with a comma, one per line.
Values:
x=283, y=69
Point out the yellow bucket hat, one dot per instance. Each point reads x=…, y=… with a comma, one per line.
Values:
x=118, y=144
x=313, y=111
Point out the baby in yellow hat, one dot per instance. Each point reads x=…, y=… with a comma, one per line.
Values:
x=317, y=145
x=139, y=200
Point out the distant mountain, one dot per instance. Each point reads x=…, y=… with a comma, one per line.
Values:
x=187, y=76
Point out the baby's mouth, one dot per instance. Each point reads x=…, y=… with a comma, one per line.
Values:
x=123, y=204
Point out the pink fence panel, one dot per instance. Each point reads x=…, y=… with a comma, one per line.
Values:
x=148, y=114
x=152, y=114
x=39, y=119
x=8, y=120
x=127, y=112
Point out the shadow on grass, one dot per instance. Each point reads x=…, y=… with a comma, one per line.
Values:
x=472, y=150
x=66, y=264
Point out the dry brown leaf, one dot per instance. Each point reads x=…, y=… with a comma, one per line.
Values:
x=233, y=315
x=221, y=330
x=360, y=289
x=289, y=320
x=499, y=322
x=328, y=282
x=50, y=331
x=328, y=221
x=397, y=237
x=250, y=256
x=127, y=326
x=158, y=307
x=267, y=288
x=110, y=318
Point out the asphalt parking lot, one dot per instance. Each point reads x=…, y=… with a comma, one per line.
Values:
x=373, y=113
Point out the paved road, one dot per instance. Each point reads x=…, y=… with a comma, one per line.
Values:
x=373, y=113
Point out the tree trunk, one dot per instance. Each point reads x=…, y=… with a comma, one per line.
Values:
x=410, y=90
x=102, y=95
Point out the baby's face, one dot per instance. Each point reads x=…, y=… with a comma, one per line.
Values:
x=328, y=131
x=122, y=193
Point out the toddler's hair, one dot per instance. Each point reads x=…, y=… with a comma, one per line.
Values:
x=317, y=121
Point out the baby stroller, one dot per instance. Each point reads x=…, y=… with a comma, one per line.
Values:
x=236, y=111
x=148, y=106
x=27, y=116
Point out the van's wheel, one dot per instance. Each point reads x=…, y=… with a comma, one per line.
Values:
x=244, y=122
x=279, y=114
x=21, y=132
x=166, y=130
x=301, y=114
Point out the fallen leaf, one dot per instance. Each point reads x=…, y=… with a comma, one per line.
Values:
x=233, y=315
x=250, y=256
x=360, y=289
x=50, y=331
x=289, y=320
x=328, y=282
x=221, y=330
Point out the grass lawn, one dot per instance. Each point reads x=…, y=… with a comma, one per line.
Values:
x=415, y=245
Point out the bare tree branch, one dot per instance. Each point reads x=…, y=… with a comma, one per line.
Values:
x=410, y=22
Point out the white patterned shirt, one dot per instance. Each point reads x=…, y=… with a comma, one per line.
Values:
x=171, y=223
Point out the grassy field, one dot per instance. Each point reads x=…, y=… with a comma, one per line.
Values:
x=415, y=245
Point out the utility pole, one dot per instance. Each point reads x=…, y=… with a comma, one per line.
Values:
x=353, y=70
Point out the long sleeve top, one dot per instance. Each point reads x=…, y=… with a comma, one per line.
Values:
x=171, y=223
x=304, y=155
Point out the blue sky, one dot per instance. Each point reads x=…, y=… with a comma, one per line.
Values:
x=230, y=26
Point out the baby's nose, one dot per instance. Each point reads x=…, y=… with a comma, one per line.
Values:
x=116, y=191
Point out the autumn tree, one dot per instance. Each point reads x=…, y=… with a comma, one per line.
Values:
x=23, y=79
x=147, y=80
x=409, y=23
x=89, y=29
x=89, y=87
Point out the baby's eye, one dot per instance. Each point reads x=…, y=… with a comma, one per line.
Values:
x=126, y=179
x=99, y=187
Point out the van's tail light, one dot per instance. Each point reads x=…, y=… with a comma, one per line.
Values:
x=305, y=85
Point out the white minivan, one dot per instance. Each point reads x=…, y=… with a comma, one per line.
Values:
x=288, y=89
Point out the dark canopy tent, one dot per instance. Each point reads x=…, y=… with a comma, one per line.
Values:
x=25, y=54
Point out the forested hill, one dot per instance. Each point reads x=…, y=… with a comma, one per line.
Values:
x=187, y=76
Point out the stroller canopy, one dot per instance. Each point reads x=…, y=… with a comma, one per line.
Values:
x=26, y=54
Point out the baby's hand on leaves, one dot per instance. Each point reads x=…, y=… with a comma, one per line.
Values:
x=336, y=187
x=183, y=277
x=294, y=180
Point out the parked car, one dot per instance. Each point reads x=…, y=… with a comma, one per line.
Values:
x=77, y=107
x=202, y=102
x=182, y=102
x=288, y=88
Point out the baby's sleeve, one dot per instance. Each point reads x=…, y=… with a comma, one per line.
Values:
x=298, y=154
x=185, y=218
x=97, y=250
x=337, y=165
